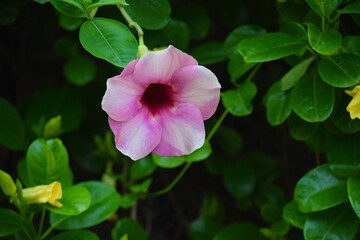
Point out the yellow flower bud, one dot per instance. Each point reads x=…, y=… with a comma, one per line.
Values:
x=354, y=106
x=44, y=194
x=7, y=184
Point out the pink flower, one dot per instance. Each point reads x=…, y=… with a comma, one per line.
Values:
x=159, y=103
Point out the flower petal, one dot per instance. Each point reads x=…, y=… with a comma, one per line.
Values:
x=122, y=97
x=137, y=137
x=159, y=66
x=354, y=106
x=199, y=86
x=182, y=130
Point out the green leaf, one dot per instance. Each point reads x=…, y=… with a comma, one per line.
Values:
x=268, y=192
x=71, y=8
x=323, y=7
x=9, y=11
x=353, y=188
x=271, y=212
x=209, y=53
x=280, y=227
x=10, y=222
x=237, y=67
x=292, y=215
x=46, y=161
x=203, y=228
x=300, y=129
x=104, y=202
x=269, y=47
x=12, y=130
x=291, y=78
x=277, y=104
x=295, y=29
x=76, y=234
x=335, y=223
x=167, y=162
x=129, y=227
x=239, y=229
x=99, y=3
x=343, y=155
x=128, y=200
x=52, y=128
x=199, y=154
x=312, y=99
x=229, y=140
x=264, y=167
x=142, y=187
x=109, y=40
x=319, y=189
x=142, y=168
x=80, y=70
x=239, y=179
x=342, y=70
x=196, y=18
x=150, y=14
x=351, y=8
x=351, y=44
x=326, y=42
x=238, y=101
x=70, y=23
x=75, y=199
x=342, y=120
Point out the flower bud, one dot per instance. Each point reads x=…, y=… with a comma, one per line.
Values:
x=7, y=184
x=44, y=194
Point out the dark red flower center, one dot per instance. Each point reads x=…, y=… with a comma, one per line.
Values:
x=157, y=96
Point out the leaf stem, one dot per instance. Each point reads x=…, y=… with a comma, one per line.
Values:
x=217, y=125
x=253, y=72
x=132, y=23
x=47, y=231
x=42, y=221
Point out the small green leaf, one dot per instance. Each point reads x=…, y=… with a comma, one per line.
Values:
x=10, y=222
x=128, y=200
x=209, y=53
x=277, y=104
x=323, y=7
x=109, y=40
x=76, y=234
x=269, y=47
x=335, y=223
x=75, y=199
x=326, y=42
x=70, y=23
x=351, y=44
x=353, y=7
x=203, y=228
x=229, y=140
x=150, y=14
x=271, y=212
x=52, y=128
x=142, y=187
x=199, y=154
x=300, y=129
x=238, y=101
x=239, y=229
x=292, y=215
x=80, y=70
x=129, y=227
x=142, y=168
x=291, y=78
x=342, y=70
x=237, y=67
x=312, y=99
x=12, y=130
x=319, y=189
x=71, y=8
x=168, y=162
x=353, y=188
x=343, y=154
x=295, y=29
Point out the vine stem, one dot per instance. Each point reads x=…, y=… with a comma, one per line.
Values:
x=42, y=221
x=132, y=23
x=188, y=164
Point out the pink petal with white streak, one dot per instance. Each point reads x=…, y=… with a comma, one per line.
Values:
x=159, y=66
x=199, y=86
x=182, y=130
x=137, y=137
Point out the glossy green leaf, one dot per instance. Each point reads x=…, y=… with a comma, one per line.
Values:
x=353, y=188
x=46, y=161
x=343, y=154
x=351, y=44
x=239, y=179
x=326, y=42
x=12, y=130
x=312, y=99
x=354, y=7
x=196, y=18
x=238, y=101
x=291, y=78
x=292, y=215
x=142, y=187
x=150, y=14
x=280, y=227
x=76, y=234
x=277, y=104
x=237, y=67
x=269, y=47
x=342, y=70
x=342, y=120
x=10, y=222
x=129, y=227
x=80, y=70
x=104, y=202
x=209, y=53
x=142, y=168
x=71, y=8
x=319, y=189
x=199, y=154
x=300, y=129
x=239, y=229
x=75, y=199
x=52, y=128
x=167, y=162
x=295, y=29
x=109, y=40
x=338, y=223
x=70, y=23
x=203, y=228
x=323, y=7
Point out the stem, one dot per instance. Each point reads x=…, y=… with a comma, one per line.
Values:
x=132, y=24
x=253, y=72
x=47, y=231
x=41, y=221
x=217, y=125
x=322, y=24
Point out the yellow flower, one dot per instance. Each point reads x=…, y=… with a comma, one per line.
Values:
x=354, y=106
x=44, y=193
